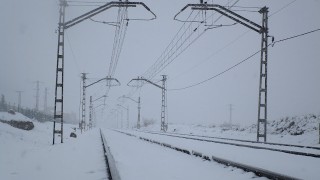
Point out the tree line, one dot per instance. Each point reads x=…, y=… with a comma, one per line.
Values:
x=30, y=113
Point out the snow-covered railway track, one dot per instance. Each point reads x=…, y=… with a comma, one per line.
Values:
x=244, y=143
x=248, y=141
x=112, y=171
x=247, y=168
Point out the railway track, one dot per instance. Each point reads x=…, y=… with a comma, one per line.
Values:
x=242, y=145
x=112, y=171
x=241, y=140
x=247, y=168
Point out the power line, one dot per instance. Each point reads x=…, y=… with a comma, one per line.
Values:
x=87, y=2
x=295, y=36
x=231, y=42
x=167, y=57
x=239, y=63
x=73, y=55
x=186, y=31
x=217, y=75
x=282, y=8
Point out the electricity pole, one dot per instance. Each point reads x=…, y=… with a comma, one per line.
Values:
x=62, y=26
x=261, y=29
x=84, y=87
x=164, y=124
x=139, y=108
x=90, y=113
x=83, y=102
x=37, y=95
x=58, y=99
x=126, y=108
x=45, y=103
x=164, y=121
x=230, y=109
x=19, y=100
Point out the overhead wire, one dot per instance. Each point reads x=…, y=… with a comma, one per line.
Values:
x=242, y=61
x=295, y=36
x=73, y=55
x=231, y=42
x=120, y=34
x=163, y=61
x=167, y=58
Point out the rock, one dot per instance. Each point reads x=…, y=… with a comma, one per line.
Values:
x=74, y=135
x=25, y=125
x=11, y=111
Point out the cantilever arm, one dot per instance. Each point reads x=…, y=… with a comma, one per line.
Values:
x=95, y=82
x=103, y=8
x=106, y=78
x=147, y=8
x=146, y=80
x=226, y=12
x=114, y=79
x=128, y=98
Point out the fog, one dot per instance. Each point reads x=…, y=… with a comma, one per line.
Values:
x=29, y=46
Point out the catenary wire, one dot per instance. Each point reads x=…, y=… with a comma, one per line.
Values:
x=239, y=63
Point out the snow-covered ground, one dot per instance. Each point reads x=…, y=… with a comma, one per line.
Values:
x=137, y=159
x=17, y=117
x=301, y=167
x=299, y=130
x=31, y=155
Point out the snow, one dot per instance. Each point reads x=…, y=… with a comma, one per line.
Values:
x=31, y=155
x=17, y=117
x=137, y=159
x=278, y=131
x=297, y=166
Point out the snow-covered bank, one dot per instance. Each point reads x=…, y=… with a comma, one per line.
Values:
x=31, y=155
x=6, y=116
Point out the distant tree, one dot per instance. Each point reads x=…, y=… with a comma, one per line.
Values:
x=147, y=122
x=3, y=104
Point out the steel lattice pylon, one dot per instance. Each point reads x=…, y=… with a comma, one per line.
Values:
x=83, y=103
x=263, y=30
x=262, y=107
x=58, y=101
x=164, y=121
x=164, y=125
x=90, y=113
x=139, y=109
x=58, y=107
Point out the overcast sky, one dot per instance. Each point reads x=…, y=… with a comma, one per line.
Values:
x=29, y=45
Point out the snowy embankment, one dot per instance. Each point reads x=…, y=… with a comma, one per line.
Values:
x=16, y=120
x=299, y=130
x=31, y=155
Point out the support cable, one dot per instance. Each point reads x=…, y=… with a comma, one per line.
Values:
x=239, y=63
x=158, y=65
x=231, y=42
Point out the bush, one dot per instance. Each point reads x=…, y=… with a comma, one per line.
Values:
x=25, y=125
x=147, y=122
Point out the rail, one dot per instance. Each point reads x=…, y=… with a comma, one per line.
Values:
x=240, y=145
x=112, y=170
x=257, y=171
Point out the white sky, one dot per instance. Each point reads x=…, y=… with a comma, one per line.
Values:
x=29, y=45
